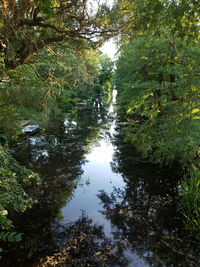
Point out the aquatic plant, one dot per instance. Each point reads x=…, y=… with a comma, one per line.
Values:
x=190, y=200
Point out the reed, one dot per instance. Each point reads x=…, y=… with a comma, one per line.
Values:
x=190, y=200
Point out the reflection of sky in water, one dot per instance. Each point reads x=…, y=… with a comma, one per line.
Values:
x=35, y=140
x=98, y=175
x=69, y=125
x=41, y=152
x=102, y=153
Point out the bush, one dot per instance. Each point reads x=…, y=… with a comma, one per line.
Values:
x=13, y=181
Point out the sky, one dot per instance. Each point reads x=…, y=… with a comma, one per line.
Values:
x=109, y=48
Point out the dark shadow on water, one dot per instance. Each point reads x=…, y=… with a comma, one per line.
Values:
x=144, y=213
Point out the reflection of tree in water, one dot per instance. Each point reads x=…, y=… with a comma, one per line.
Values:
x=58, y=157
x=144, y=213
x=81, y=243
x=85, y=244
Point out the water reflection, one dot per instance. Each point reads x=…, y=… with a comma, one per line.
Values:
x=58, y=155
x=136, y=223
x=86, y=245
x=144, y=212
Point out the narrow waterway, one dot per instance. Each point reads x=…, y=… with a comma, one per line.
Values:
x=98, y=198
x=97, y=175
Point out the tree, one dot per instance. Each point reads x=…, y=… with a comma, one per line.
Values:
x=28, y=26
x=53, y=80
x=159, y=82
x=180, y=16
x=105, y=75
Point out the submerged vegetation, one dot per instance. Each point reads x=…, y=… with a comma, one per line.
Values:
x=50, y=63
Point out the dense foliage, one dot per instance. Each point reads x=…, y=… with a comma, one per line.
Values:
x=53, y=80
x=28, y=26
x=158, y=81
x=13, y=198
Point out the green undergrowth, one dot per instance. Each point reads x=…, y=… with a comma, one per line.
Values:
x=14, y=182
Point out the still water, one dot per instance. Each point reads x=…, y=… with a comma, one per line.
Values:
x=98, y=205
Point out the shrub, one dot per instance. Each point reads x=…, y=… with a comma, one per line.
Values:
x=13, y=181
